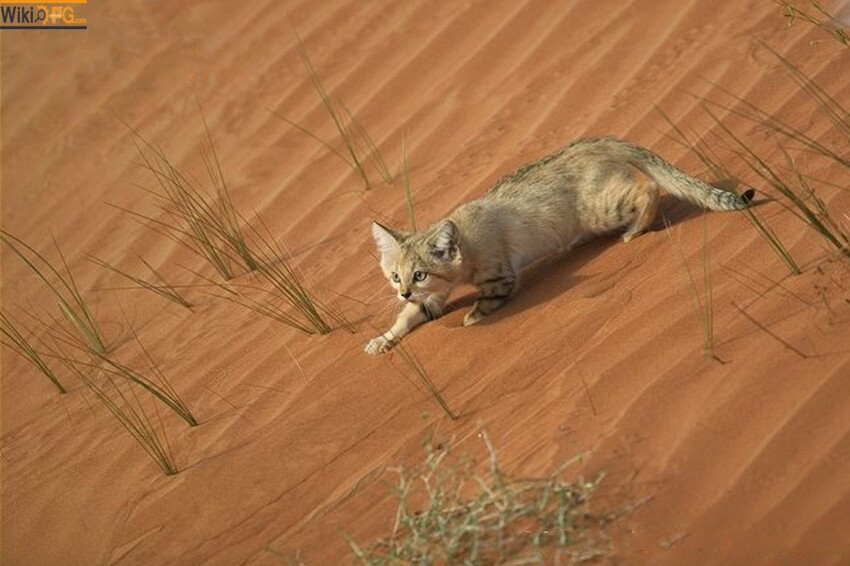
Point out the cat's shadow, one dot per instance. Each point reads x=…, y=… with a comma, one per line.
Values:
x=552, y=277
x=540, y=283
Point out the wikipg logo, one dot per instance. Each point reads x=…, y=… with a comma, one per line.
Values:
x=46, y=15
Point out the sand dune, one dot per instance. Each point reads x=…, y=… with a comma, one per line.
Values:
x=735, y=460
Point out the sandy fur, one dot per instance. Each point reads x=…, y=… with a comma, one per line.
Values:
x=547, y=207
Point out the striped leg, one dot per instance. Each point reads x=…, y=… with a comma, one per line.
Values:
x=495, y=287
x=645, y=205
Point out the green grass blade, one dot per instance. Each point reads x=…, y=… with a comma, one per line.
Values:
x=426, y=380
x=337, y=120
x=17, y=342
x=163, y=289
x=702, y=301
x=78, y=313
x=405, y=176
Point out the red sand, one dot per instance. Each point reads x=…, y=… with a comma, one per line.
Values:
x=742, y=461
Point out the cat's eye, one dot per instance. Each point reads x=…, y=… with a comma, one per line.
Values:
x=395, y=277
x=419, y=276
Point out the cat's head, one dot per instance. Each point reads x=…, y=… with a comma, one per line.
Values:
x=422, y=266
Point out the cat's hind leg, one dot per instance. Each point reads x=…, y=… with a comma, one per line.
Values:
x=645, y=199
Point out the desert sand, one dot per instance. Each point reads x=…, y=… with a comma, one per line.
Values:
x=737, y=459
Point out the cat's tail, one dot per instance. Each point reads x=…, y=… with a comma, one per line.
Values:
x=682, y=185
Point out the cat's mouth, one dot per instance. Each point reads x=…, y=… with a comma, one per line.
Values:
x=415, y=298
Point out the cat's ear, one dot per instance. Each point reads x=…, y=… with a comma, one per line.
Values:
x=444, y=243
x=387, y=240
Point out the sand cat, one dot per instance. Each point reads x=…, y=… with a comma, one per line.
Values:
x=587, y=188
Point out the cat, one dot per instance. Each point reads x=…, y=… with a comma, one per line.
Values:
x=550, y=206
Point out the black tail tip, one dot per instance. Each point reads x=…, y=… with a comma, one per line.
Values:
x=748, y=196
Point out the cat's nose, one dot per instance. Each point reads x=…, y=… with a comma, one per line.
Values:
x=405, y=294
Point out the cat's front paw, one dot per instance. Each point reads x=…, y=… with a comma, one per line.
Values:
x=379, y=345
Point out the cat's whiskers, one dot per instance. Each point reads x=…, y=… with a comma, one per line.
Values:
x=434, y=305
x=392, y=303
x=382, y=298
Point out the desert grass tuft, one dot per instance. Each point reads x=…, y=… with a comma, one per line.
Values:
x=162, y=287
x=420, y=372
x=702, y=295
x=826, y=21
x=797, y=203
x=152, y=380
x=267, y=306
x=199, y=221
x=17, y=341
x=227, y=216
x=214, y=229
x=158, y=385
x=370, y=147
x=450, y=513
x=288, y=300
x=773, y=240
x=63, y=287
x=405, y=180
x=276, y=268
x=834, y=231
x=756, y=220
x=344, y=132
x=355, y=139
x=798, y=195
x=123, y=402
